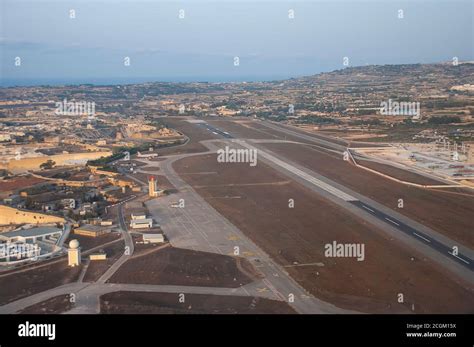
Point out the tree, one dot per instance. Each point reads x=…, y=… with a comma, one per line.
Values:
x=48, y=164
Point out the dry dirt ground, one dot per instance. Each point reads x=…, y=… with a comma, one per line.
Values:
x=256, y=201
x=22, y=284
x=175, y=266
x=87, y=242
x=144, y=248
x=257, y=130
x=97, y=268
x=195, y=133
x=449, y=214
x=168, y=303
x=18, y=183
x=55, y=305
x=400, y=174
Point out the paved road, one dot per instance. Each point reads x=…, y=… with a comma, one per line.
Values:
x=87, y=295
x=65, y=234
x=129, y=248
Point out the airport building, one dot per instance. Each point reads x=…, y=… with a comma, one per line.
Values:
x=33, y=235
x=153, y=190
x=74, y=253
x=29, y=244
x=91, y=230
x=153, y=238
x=145, y=223
x=138, y=215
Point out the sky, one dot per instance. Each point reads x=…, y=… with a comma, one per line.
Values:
x=203, y=46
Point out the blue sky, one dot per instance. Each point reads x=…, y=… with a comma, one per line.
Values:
x=202, y=46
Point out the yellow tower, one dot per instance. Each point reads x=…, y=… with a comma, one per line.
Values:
x=152, y=188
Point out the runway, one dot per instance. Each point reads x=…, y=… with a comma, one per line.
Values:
x=322, y=185
x=435, y=244
x=215, y=131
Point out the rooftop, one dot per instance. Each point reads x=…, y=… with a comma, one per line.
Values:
x=142, y=221
x=39, y=231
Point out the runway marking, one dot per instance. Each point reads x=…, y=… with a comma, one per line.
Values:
x=367, y=208
x=391, y=221
x=454, y=255
x=274, y=290
x=421, y=237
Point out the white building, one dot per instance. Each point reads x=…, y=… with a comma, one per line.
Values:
x=4, y=137
x=141, y=223
x=138, y=215
x=153, y=238
x=32, y=235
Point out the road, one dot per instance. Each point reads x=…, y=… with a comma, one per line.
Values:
x=129, y=247
x=87, y=295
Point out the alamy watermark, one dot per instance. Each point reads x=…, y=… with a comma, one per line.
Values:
x=75, y=108
x=11, y=250
x=400, y=108
x=233, y=155
x=28, y=329
x=345, y=250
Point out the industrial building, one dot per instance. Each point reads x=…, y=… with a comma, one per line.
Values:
x=153, y=238
x=91, y=230
x=138, y=215
x=141, y=223
x=32, y=235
